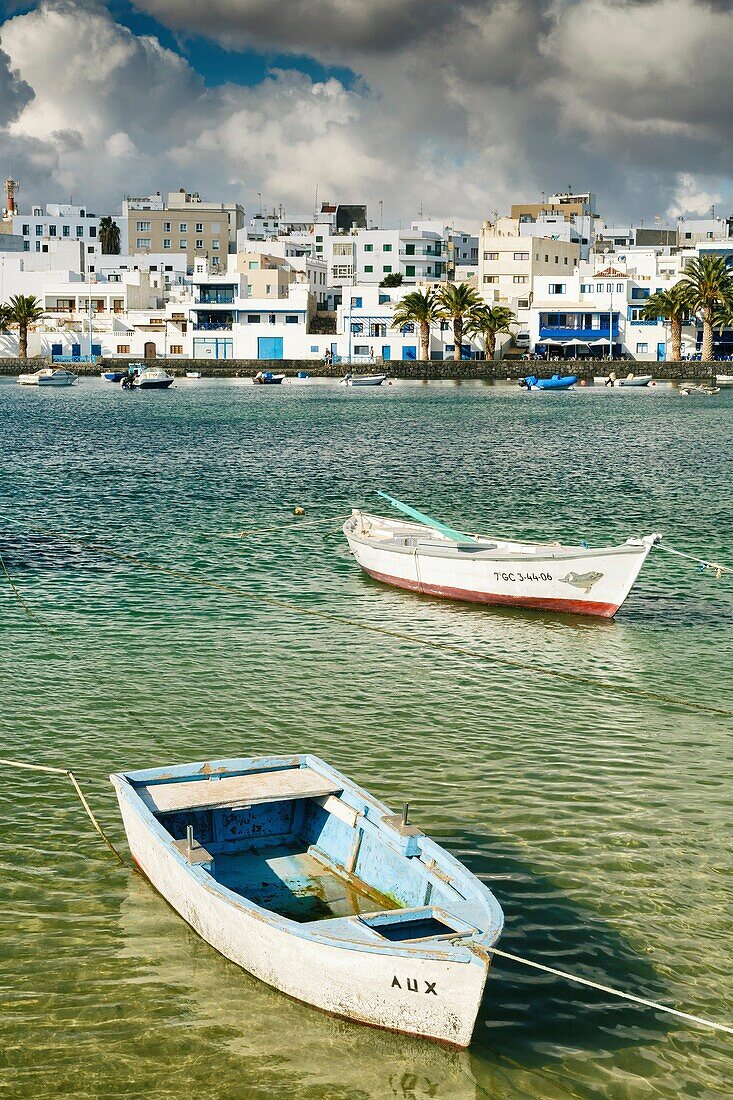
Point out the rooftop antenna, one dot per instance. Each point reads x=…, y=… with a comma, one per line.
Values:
x=381, y=213
x=315, y=206
x=11, y=189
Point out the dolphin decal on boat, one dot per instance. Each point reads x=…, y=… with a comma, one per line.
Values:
x=582, y=580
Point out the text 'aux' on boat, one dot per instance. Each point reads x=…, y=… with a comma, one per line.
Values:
x=293, y=872
x=430, y=557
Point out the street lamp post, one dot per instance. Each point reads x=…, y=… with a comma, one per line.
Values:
x=610, y=326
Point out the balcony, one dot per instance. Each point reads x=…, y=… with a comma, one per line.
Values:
x=213, y=326
x=548, y=332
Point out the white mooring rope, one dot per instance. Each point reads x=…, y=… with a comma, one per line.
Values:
x=716, y=567
x=614, y=992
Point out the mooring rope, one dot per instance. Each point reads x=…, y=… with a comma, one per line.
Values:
x=445, y=647
x=26, y=607
x=716, y=567
x=254, y=531
x=70, y=775
x=613, y=992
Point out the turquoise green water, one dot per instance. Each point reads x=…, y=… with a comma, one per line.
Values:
x=601, y=820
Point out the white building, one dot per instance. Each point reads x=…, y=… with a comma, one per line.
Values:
x=59, y=222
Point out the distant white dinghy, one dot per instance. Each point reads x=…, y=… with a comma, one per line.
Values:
x=299, y=876
x=432, y=558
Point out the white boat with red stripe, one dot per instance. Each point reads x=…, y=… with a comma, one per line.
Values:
x=431, y=558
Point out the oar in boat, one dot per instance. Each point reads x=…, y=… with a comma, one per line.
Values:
x=421, y=517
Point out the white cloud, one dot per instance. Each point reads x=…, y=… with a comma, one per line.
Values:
x=460, y=106
x=689, y=198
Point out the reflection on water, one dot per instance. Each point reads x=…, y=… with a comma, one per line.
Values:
x=599, y=819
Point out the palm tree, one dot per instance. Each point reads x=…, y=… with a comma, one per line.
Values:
x=457, y=302
x=420, y=307
x=25, y=310
x=5, y=317
x=706, y=287
x=109, y=237
x=670, y=305
x=487, y=322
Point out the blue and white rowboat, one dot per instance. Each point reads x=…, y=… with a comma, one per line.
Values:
x=303, y=879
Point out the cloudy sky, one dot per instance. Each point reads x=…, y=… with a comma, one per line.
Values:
x=455, y=106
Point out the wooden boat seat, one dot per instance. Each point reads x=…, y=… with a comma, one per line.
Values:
x=210, y=792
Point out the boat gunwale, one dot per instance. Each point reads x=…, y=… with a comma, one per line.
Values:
x=462, y=951
x=447, y=548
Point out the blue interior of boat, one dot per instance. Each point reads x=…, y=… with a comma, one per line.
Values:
x=291, y=857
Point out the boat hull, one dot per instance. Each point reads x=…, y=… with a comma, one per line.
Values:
x=426, y=997
x=160, y=384
x=551, y=579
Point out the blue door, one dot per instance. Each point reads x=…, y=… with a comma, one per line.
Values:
x=76, y=349
x=96, y=349
x=409, y=351
x=270, y=347
x=57, y=349
x=661, y=352
x=386, y=351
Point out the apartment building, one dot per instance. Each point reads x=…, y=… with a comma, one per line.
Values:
x=509, y=264
x=184, y=224
x=368, y=256
x=44, y=226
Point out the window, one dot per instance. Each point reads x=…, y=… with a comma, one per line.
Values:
x=80, y=230
x=620, y=288
x=387, y=269
x=369, y=268
x=641, y=348
x=183, y=227
x=357, y=303
x=215, y=246
x=521, y=279
x=90, y=248
x=26, y=246
x=387, y=248
x=522, y=303
x=253, y=319
x=166, y=227
x=521, y=255
x=556, y=288
x=565, y=261
x=291, y=319
x=38, y=246
x=183, y=245
x=26, y=231
x=52, y=230
x=319, y=240
x=547, y=259
x=143, y=227
x=491, y=278
x=199, y=227
x=599, y=288
x=39, y=230
x=166, y=242
x=410, y=271
x=66, y=231
x=557, y=259
x=368, y=247
x=409, y=327
x=314, y=347
x=271, y=318
x=586, y=288
x=410, y=249
x=169, y=267
x=92, y=230
x=123, y=349
x=383, y=299
x=143, y=242
x=199, y=242
x=688, y=236
x=176, y=349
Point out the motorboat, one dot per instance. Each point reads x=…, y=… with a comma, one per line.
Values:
x=364, y=379
x=153, y=378
x=724, y=380
x=557, y=382
x=434, y=559
x=267, y=378
x=634, y=380
x=294, y=873
x=193, y=374
x=113, y=375
x=48, y=376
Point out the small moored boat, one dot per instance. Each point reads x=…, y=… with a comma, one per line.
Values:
x=724, y=380
x=48, y=376
x=114, y=375
x=634, y=380
x=153, y=378
x=532, y=382
x=364, y=379
x=299, y=876
x=193, y=374
x=434, y=559
x=267, y=378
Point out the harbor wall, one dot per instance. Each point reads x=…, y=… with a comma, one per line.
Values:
x=445, y=370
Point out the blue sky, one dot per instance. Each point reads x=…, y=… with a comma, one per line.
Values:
x=217, y=65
